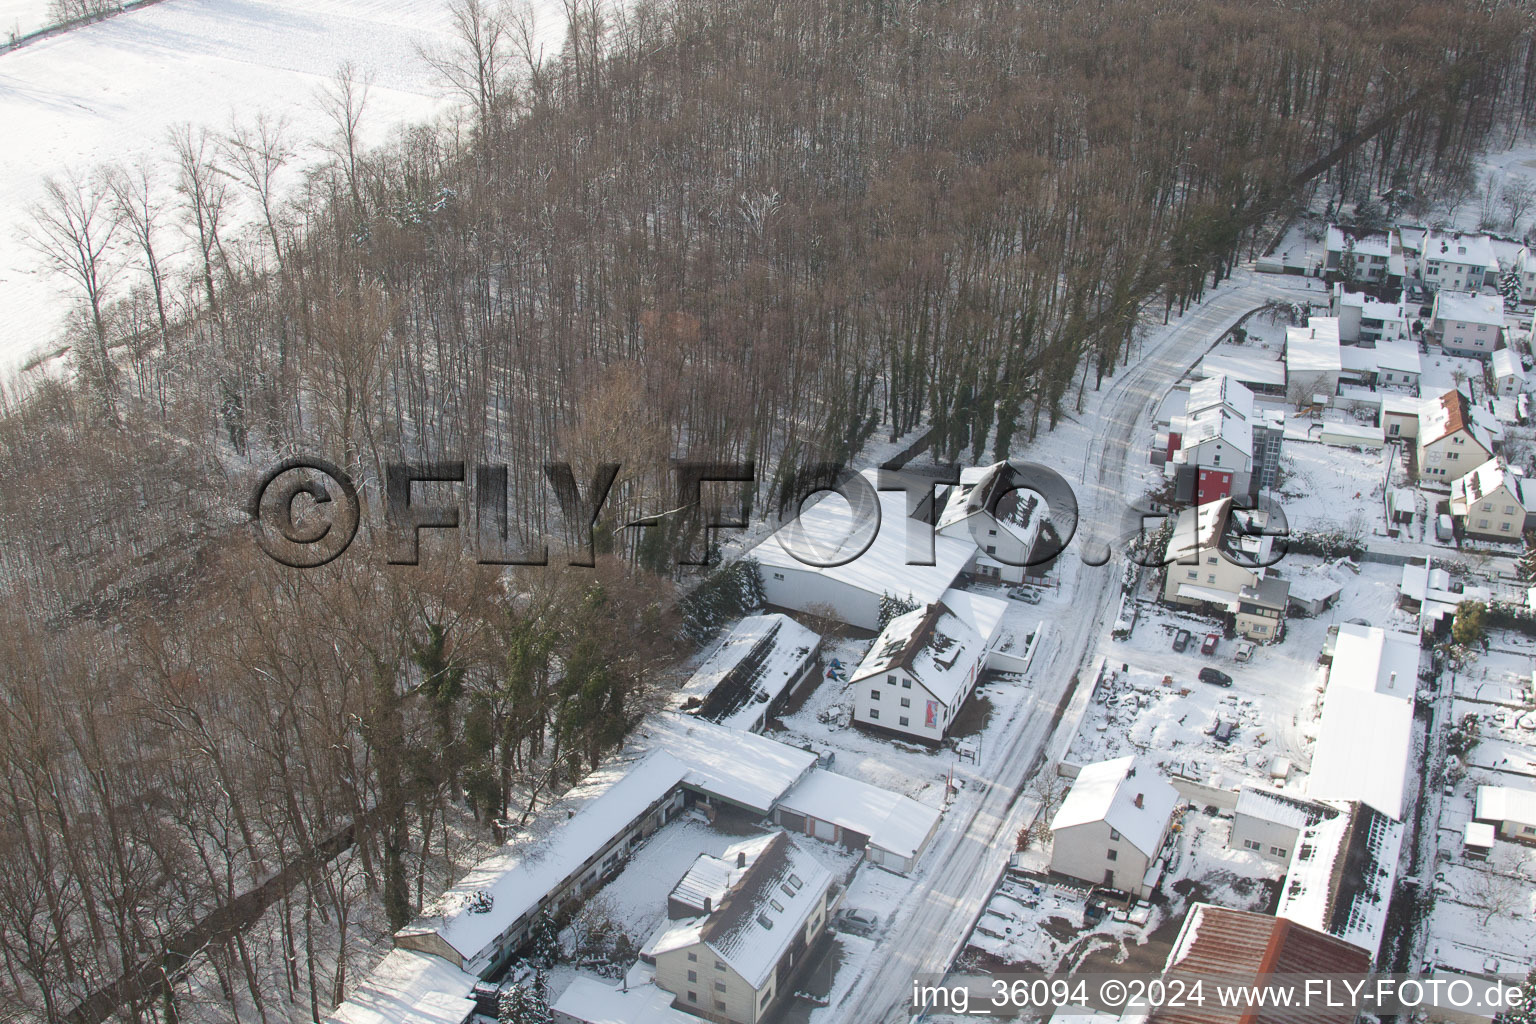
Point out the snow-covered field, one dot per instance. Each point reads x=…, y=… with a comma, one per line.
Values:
x=110, y=92
x=18, y=17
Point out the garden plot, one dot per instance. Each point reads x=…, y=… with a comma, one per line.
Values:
x=1483, y=919
x=1327, y=489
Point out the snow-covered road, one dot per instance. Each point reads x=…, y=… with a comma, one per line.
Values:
x=965, y=862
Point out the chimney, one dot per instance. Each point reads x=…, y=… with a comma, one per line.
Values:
x=1140, y=804
x=1393, y=681
x=708, y=904
x=741, y=858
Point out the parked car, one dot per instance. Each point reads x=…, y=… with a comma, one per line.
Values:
x=1215, y=677
x=1026, y=594
x=1245, y=649
x=1181, y=640
x=1208, y=645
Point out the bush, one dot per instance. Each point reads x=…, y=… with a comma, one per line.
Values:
x=726, y=594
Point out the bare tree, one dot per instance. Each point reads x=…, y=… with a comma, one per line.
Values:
x=138, y=209
x=1517, y=195
x=476, y=64
x=203, y=196
x=253, y=155
x=1497, y=887
x=72, y=228
x=345, y=99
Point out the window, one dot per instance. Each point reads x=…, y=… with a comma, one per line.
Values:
x=1252, y=844
x=906, y=702
x=1211, y=560
x=1482, y=524
x=1114, y=854
x=874, y=694
x=776, y=905
x=1114, y=836
x=874, y=712
x=719, y=986
x=719, y=1004
x=1194, y=574
x=1210, y=578
x=1260, y=628
x=719, y=966
x=694, y=957
x=1487, y=506
x=1504, y=526
x=693, y=975
x=778, y=575
x=890, y=678
x=693, y=997
x=906, y=684
x=991, y=533
x=1278, y=851
x=991, y=549
x=902, y=719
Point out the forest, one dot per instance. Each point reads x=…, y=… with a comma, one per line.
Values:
x=763, y=231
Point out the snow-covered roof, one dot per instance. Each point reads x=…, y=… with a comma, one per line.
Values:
x=508, y=884
x=1455, y=247
x=1505, y=803
x=992, y=490
x=892, y=822
x=1197, y=530
x=982, y=613
x=1313, y=349
x=1478, y=833
x=1136, y=802
x=1215, y=421
x=410, y=987
x=831, y=530
x=1394, y=356
x=933, y=645
x=1317, y=582
x=742, y=768
x=1505, y=364
x=764, y=910
x=1451, y=413
x=1218, y=392
x=758, y=658
x=1210, y=595
x=1342, y=874
x=1465, y=307
x=1470, y=488
x=1267, y=805
x=1247, y=363
x=1364, y=746
x=1378, y=243
x=591, y=1001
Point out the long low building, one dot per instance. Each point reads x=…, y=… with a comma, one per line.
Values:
x=1342, y=875
x=410, y=987
x=748, y=677
x=891, y=829
x=856, y=590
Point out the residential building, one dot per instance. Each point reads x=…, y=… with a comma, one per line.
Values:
x=1508, y=374
x=848, y=577
x=1468, y=324
x=754, y=670
x=1111, y=828
x=1258, y=369
x=1451, y=442
x=1490, y=502
x=1312, y=360
x=1524, y=268
x=1201, y=558
x=920, y=670
x=1269, y=823
x=1367, y=320
x=1511, y=811
x=740, y=926
x=1458, y=262
x=1372, y=258
x=1251, y=950
x=1000, y=520
x=1261, y=610
x=1211, y=445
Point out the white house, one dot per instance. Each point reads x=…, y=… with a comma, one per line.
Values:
x=999, y=521
x=1211, y=445
x=1451, y=441
x=919, y=672
x=1375, y=257
x=832, y=531
x=740, y=926
x=1199, y=570
x=1491, y=502
x=1269, y=823
x=1458, y=262
x=1511, y=811
x=1312, y=360
x=1111, y=828
x=1363, y=319
x=1508, y=374
x=1468, y=324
